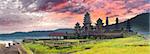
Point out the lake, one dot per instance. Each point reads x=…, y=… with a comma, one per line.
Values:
x=20, y=38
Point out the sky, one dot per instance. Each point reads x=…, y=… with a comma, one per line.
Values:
x=32, y=15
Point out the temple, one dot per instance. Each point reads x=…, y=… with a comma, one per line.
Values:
x=99, y=29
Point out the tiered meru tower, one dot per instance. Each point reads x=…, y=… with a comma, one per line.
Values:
x=78, y=29
x=87, y=27
x=99, y=25
x=107, y=23
x=117, y=26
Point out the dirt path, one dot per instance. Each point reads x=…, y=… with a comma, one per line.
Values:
x=14, y=49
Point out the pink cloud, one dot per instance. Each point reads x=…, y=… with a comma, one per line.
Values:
x=65, y=13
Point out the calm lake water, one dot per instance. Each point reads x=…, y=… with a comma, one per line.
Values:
x=20, y=38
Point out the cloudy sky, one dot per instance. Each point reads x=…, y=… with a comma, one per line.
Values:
x=29, y=15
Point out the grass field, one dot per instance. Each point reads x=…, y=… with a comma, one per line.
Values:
x=129, y=45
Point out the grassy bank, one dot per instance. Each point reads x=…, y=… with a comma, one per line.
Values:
x=54, y=47
x=130, y=45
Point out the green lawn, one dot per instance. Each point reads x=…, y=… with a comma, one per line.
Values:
x=129, y=45
x=38, y=48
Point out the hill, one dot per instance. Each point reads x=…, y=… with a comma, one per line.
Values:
x=39, y=33
x=139, y=23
